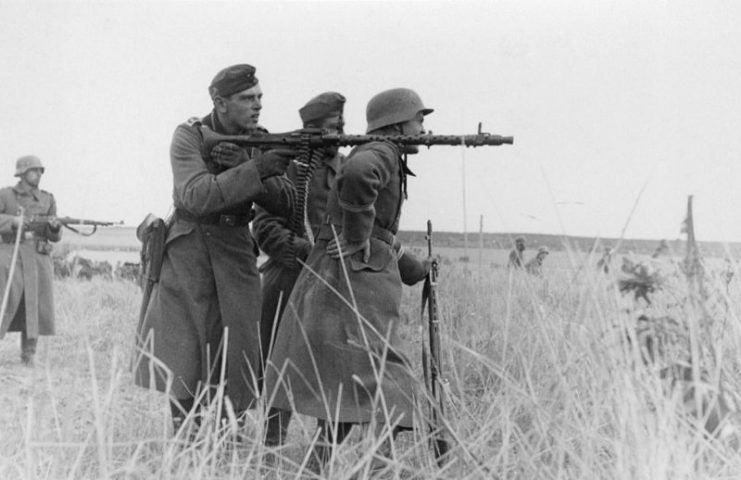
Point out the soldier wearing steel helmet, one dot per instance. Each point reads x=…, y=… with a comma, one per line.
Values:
x=535, y=265
x=331, y=361
x=30, y=305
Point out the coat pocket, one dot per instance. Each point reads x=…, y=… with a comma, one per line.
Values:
x=177, y=230
x=381, y=256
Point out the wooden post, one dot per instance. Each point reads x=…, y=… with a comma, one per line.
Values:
x=481, y=243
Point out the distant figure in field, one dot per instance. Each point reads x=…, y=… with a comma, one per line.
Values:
x=516, y=258
x=604, y=263
x=661, y=249
x=535, y=265
x=728, y=273
x=30, y=305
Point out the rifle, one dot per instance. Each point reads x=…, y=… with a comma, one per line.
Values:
x=435, y=383
x=313, y=138
x=38, y=222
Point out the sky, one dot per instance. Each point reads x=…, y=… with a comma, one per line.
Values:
x=619, y=109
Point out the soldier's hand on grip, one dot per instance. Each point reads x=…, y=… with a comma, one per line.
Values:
x=274, y=162
x=428, y=262
x=228, y=155
x=54, y=224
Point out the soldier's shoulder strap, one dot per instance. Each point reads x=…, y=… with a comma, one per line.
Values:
x=194, y=122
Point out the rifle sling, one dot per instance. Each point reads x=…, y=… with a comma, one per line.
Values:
x=84, y=234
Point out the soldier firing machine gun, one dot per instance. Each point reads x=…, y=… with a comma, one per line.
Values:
x=314, y=138
x=310, y=141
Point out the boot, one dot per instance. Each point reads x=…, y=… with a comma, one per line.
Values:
x=28, y=349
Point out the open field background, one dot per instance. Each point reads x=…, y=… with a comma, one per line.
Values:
x=542, y=385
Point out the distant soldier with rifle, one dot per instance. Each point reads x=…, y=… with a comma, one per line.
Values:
x=204, y=307
x=337, y=354
x=288, y=239
x=27, y=269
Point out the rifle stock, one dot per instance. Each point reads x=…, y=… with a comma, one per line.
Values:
x=435, y=382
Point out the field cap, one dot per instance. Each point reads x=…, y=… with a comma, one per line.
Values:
x=232, y=80
x=324, y=105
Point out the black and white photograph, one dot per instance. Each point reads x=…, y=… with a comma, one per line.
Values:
x=370, y=239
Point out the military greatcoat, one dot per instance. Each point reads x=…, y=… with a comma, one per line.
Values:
x=331, y=360
x=209, y=284
x=34, y=271
x=285, y=246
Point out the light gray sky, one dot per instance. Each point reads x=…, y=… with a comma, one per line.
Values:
x=602, y=97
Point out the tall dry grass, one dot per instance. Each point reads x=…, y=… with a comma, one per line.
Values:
x=542, y=385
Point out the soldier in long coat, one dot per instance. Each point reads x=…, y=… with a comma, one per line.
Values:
x=337, y=355
x=285, y=239
x=30, y=305
x=516, y=259
x=288, y=240
x=209, y=284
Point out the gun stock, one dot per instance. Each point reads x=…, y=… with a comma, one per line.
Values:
x=435, y=382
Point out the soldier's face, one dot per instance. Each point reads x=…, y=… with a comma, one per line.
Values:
x=333, y=125
x=413, y=127
x=33, y=176
x=240, y=111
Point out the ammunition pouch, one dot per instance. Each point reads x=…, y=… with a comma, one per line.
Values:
x=43, y=246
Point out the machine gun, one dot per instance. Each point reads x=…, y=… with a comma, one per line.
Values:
x=435, y=382
x=315, y=138
x=38, y=222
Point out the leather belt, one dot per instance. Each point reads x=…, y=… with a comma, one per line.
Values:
x=385, y=235
x=221, y=219
x=26, y=237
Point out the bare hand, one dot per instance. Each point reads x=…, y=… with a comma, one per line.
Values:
x=54, y=224
x=343, y=248
x=427, y=264
x=228, y=155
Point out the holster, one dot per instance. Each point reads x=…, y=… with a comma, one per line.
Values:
x=152, y=232
x=43, y=246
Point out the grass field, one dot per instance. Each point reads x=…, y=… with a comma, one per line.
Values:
x=542, y=385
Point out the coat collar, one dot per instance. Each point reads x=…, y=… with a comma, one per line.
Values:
x=23, y=188
x=212, y=121
x=334, y=162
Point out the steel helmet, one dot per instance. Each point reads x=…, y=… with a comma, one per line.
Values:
x=393, y=106
x=23, y=164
